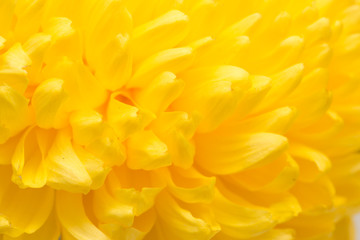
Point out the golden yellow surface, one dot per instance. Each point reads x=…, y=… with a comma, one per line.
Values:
x=179, y=119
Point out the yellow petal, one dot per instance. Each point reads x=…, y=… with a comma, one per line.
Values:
x=110, y=22
x=7, y=10
x=14, y=112
x=224, y=51
x=180, y=223
x=71, y=214
x=199, y=13
x=326, y=126
x=214, y=95
x=345, y=166
x=286, y=53
x=25, y=209
x=312, y=163
x=240, y=221
x=47, y=101
x=135, y=188
x=115, y=69
x=234, y=153
x=318, y=31
x=283, y=84
x=315, y=197
x=147, y=38
x=12, y=64
x=29, y=15
x=283, y=175
x=28, y=160
x=125, y=116
x=242, y=27
x=107, y=209
x=2, y=42
x=147, y=151
x=173, y=60
x=176, y=130
x=277, y=121
x=166, y=87
x=108, y=148
x=49, y=230
x=87, y=125
x=83, y=89
x=275, y=234
x=260, y=86
x=65, y=169
x=7, y=150
x=142, y=225
x=95, y=167
x=36, y=47
x=65, y=40
x=191, y=186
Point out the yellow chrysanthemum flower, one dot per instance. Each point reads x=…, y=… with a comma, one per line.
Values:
x=179, y=119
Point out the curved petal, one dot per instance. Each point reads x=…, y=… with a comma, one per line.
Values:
x=233, y=153
x=147, y=151
x=180, y=223
x=14, y=112
x=173, y=26
x=71, y=214
x=65, y=169
x=25, y=209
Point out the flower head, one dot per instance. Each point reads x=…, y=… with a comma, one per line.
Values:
x=179, y=119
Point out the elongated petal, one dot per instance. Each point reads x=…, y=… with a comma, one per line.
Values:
x=173, y=60
x=14, y=112
x=283, y=175
x=72, y=216
x=190, y=186
x=65, y=169
x=146, y=38
x=179, y=223
x=312, y=163
x=47, y=101
x=25, y=209
x=231, y=154
x=166, y=87
x=217, y=90
x=116, y=70
x=28, y=160
x=12, y=65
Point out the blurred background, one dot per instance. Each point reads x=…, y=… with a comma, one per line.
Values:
x=357, y=226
